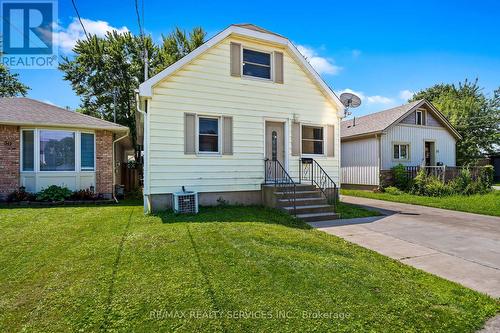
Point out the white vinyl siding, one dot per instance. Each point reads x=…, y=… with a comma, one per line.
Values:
x=360, y=162
x=204, y=87
x=415, y=137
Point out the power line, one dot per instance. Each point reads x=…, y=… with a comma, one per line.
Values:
x=80, y=19
x=141, y=30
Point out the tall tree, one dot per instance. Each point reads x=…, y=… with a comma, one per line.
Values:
x=109, y=69
x=10, y=86
x=475, y=116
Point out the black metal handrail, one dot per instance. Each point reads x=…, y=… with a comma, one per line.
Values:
x=276, y=174
x=310, y=170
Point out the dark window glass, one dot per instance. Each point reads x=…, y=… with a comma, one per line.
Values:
x=396, y=151
x=257, y=71
x=87, y=151
x=57, y=151
x=256, y=57
x=419, y=118
x=208, y=140
x=312, y=140
x=28, y=151
x=257, y=64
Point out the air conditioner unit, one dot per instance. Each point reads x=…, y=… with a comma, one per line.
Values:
x=185, y=202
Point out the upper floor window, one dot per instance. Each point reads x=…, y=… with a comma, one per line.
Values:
x=256, y=64
x=419, y=118
x=208, y=135
x=312, y=140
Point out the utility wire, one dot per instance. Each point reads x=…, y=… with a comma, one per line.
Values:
x=80, y=19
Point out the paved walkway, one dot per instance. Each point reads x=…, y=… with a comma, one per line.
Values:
x=458, y=246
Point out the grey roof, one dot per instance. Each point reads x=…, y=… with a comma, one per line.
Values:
x=27, y=111
x=375, y=122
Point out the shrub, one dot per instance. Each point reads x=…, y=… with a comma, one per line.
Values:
x=86, y=194
x=401, y=180
x=54, y=193
x=393, y=190
x=436, y=188
x=419, y=182
x=21, y=195
x=487, y=175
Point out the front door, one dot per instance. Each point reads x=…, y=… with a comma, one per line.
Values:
x=429, y=154
x=275, y=145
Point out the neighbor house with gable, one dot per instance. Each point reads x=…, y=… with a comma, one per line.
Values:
x=242, y=111
x=414, y=134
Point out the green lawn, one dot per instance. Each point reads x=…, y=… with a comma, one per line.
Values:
x=487, y=204
x=348, y=211
x=228, y=269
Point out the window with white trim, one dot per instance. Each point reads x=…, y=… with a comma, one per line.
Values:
x=256, y=64
x=208, y=135
x=401, y=151
x=87, y=151
x=28, y=149
x=312, y=140
x=419, y=120
x=46, y=150
x=57, y=150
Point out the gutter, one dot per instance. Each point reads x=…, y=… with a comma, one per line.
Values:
x=114, y=163
x=147, y=205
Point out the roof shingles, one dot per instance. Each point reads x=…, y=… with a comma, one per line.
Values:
x=375, y=122
x=27, y=111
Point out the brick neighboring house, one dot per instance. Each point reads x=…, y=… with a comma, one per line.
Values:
x=42, y=145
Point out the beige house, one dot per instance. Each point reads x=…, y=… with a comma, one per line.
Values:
x=414, y=134
x=42, y=145
x=212, y=119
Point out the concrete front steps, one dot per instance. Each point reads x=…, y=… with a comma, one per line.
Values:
x=310, y=204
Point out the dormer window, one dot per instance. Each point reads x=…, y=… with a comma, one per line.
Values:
x=256, y=64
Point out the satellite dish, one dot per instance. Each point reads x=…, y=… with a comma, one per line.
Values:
x=350, y=100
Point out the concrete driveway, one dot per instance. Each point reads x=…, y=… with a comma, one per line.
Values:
x=460, y=247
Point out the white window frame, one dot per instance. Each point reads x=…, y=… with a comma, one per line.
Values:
x=302, y=138
x=421, y=117
x=36, y=152
x=80, y=152
x=219, y=136
x=399, y=144
x=271, y=65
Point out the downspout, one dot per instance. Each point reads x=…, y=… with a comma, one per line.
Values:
x=114, y=165
x=147, y=206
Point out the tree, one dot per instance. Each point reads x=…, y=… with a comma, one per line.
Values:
x=10, y=86
x=111, y=68
x=475, y=116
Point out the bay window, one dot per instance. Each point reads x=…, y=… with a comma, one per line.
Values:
x=312, y=140
x=57, y=150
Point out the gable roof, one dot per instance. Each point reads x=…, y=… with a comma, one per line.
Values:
x=30, y=112
x=246, y=30
x=379, y=122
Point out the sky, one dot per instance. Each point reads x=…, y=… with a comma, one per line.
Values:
x=381, y=50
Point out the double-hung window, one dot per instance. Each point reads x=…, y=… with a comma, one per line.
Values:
x=208, y=135
x=401, y=151
x=312, y=140
x=256, y=64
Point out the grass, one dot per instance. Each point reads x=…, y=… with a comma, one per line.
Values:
x=348, y=211
x=486, y=204
x=227, y=269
